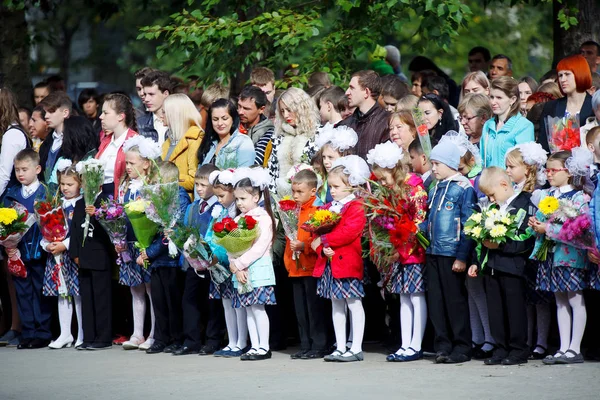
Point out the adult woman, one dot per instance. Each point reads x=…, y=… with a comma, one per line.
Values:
x=12, y=138
x=184, y=135
x=296, y=123
x=508, y=127
x=223, y=145
x=574, y=78
x=118, y=125
x=437, y=116
x=474, y=110
x=89, y=103
x=527, y=86
x=402, y=129
x=475, y=82
x=38, y=127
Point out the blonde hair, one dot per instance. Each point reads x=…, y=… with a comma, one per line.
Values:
x=515, y=157
x=212, y=93
x=180, y=115
x=168, y=172
x=490, y=178
x=399, y=173
x=151, y=174
x=407, y=103
x=305, y=108
x=339, y=171
x=477, y=77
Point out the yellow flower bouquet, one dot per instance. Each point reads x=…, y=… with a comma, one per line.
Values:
x=321, y=222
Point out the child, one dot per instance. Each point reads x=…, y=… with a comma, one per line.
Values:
x=592, y=139
x=332, y=103
x=235, y=318
x=67, y=287
x=566, y=275
x=57, y=107
x=505, y=270
x=451, y=203
x=408, y=278
x=420, y=164
x=138, y=168
x=525, y=165
x=164, y=279
x=94, y=257
x=35, y=310
x=333, y=143
x=339, y=266
x=196, y=292
x=255, y=265
x=299, y=260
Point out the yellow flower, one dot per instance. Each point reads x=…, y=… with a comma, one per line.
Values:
x=549, y=205
x=136, y=206
x=468, y=230
x=498, y=231
x=476, y=218
x=322, y=216
x=505, y=220
x=477, y=231
x=8, y=216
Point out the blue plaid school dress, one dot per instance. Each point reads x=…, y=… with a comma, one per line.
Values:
x=222, y=291
x=130, y=273
x=593, y=278
x=329, y=287
x=264, y=295
x=408, y=279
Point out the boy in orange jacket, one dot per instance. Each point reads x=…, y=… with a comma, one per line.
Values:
x=299, y=259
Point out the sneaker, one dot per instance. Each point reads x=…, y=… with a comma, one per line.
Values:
x=147, y=344
x=133, y=343
x=8, y=337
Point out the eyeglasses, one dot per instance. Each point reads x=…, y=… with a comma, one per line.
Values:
x=467, y=119
x=555, y=170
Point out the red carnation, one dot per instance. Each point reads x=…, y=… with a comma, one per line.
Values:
x=287, y=205
x=229, y=224
x=218, y=227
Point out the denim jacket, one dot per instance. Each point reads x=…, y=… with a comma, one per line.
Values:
x=237, y=152
x=451, y=203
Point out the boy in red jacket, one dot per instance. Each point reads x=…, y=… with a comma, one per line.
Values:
x=299, y=259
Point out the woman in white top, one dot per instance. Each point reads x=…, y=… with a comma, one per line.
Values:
x=12, y=138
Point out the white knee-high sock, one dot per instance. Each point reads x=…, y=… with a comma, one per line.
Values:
x=543, y=324
x=338, y=314
x=79, y=313
x=357, y=319
x=564, y=316
x=230, y=323
x=242, y=327
x=406, y=322
x=138, y=300
x=579, y=313
x=262, y=325
x=252, y=328
x=152, y=318
x=419, y=319
x=65, y=316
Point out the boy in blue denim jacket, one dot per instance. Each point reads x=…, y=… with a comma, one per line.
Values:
x=35, y=309
x=451, y=203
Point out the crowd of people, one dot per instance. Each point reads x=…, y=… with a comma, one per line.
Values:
x=439, y=148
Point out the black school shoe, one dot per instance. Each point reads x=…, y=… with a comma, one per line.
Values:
x=441, y=357
x=298, y=355
x=207, y=350
x=457, y=358
x=156, y=348
x=313, y=354
x=38, y=343
x=258, y=357
x=173, y=347
x=83, y=346
x=185, y=350
x=99, y=346
x=493, y=361
x=24, y=344
x=512, y=360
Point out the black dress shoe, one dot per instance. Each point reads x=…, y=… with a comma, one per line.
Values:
x=258, y=357
x=24, y=344
x=173, y=347
x=313, y=354
x=207, y=350
x=38, y=343
x=441, y=357
x=156, y=348
x=511, y=360
x=493, y=361
x=99, y=346
x=83, y=346
x=457, y=358
x=185, y=350
x=298, y=355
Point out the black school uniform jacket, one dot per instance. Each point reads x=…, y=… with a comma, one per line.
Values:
x=511, y=257
x=98, y=252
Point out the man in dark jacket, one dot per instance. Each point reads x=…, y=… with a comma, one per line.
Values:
x=369, y=120
x=157, y=86
x=253, y=122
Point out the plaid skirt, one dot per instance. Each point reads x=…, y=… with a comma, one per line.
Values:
x=533, y=295
x=264, y=295
x=407, y=279
x=223, y=291
x=132, y=274
x=331, y=288
x=70, y=273
x=593, y=273
x=560, y=278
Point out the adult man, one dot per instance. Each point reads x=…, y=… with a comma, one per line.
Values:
x=479, y=59
x=157, y=86
x=591, y=51
x=264, y=79
x=369, y=120
x=251, y=106
x=501, y=65
x=393, y=88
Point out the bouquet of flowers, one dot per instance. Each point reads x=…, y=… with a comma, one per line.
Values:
x=422, y=131
x=193, y=247
x=563, y=133
x=547, y=207
x=163, y=207
x=14, y=224
x=236, y=237
x=288, y=212
x=92, y=175
x=578, y=232
x=54, y=228
x=143, y=228
x=111, y=216
x=321, y=222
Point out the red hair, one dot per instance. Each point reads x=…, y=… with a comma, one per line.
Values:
x=580, y=68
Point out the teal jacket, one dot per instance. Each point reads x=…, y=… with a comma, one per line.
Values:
x=494, y=144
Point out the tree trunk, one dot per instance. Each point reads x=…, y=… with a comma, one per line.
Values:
x=568, y=42
x=14, y=55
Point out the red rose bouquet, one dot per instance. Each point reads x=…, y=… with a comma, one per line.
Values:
x=53, y=226
x=236, y=237
x=15, y=221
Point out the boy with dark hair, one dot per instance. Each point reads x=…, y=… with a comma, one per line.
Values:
x=421, y=164
x=332, y=104
x=157, y=86
x=139, y=75
x=34, y=309
x=58, y=108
